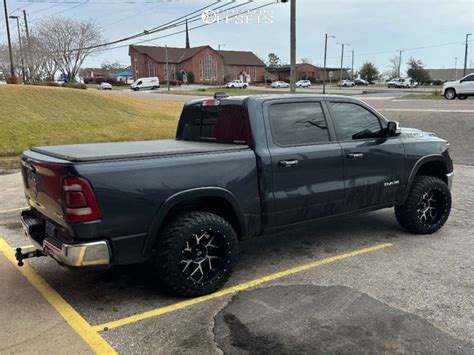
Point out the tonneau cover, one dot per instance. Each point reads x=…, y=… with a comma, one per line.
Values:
x=123, y=150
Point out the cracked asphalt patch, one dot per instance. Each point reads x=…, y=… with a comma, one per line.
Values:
x=324, y=319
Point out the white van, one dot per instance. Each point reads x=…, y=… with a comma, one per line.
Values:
x=151, y=83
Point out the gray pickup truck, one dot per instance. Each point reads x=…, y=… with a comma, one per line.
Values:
x=239, y=167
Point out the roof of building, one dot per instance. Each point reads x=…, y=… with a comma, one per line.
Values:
x=178, y=55
x=241, y=58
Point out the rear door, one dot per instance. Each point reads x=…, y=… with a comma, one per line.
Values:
x=373, y=163
x=307, y=165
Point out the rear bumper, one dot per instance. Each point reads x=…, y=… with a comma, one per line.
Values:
x=96, y=253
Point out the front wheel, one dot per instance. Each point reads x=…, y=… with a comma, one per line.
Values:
x=427, y=206
x=462, y=97
x=196, y=253
x=450, y=94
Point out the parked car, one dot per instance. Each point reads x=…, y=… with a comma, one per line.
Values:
x=346, y=83
x=104, y=86
x=237, y=84
x=360, y=82
x=151, y=83
x=239, y=167
x=393, y=83
x=280, y=84
x=303, y=84
x=461, y=88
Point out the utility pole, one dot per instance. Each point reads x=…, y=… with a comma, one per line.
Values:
x=455, y=68
x=399, y=62
x=12, y=68
x=167, y=68
x=325, y=74
x=342, y=62
x=465, y=53
x=28, y=53
x=219, y=52
x=292, y=45
x=21, y=46
x=352, y=67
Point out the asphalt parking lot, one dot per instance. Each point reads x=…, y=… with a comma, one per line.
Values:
x=354, y=284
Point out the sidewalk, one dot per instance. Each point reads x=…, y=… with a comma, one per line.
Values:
x=29, y=324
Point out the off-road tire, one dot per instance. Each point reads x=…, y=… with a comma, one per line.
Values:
x=408, y=213
x=448, y=93
x=171, y=246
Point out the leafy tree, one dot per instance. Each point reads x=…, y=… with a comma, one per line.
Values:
x=273, y=60
x=369, y=71
x=417, y=71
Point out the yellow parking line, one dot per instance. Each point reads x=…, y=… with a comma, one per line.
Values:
x=75, y=320
x=180, y=305
x=14, y=209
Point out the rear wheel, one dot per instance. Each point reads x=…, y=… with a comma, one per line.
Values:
x=427, y=206
x=450, y=94
x=462, y=97
x=196, y=253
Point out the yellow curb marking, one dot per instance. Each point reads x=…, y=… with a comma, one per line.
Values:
x=74, y=319
x=180, y=305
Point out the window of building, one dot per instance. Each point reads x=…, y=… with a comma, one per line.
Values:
x=209, y=67
x=165, y=71
x=353, y=121
x=301, y=123
x=200, y=70
x=173, y=72
x=254, y=73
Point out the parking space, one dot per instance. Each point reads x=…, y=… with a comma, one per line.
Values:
x=357, y=282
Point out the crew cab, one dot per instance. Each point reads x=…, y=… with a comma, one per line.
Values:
x=239, y=167
x=461, y=88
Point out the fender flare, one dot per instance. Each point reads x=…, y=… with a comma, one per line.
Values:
x=182, y=196
x=416, y=167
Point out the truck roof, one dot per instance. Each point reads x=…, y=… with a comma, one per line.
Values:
x=239, y=100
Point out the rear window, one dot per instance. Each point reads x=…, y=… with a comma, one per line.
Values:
x=220, y=124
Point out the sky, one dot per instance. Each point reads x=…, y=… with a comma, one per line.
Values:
x=375, y=29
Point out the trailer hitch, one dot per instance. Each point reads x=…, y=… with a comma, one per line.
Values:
x=31, y=254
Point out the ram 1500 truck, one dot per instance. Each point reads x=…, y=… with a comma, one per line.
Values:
x=239, y=167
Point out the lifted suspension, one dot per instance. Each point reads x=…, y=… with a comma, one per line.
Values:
x=31, y=254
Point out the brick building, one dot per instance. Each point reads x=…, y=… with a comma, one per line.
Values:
x=305, y=71
x=206, y=64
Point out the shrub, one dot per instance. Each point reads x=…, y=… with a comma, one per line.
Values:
x=190, y=77
x=74, y=86
x=437, y=82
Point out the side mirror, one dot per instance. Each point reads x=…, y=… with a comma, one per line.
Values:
x=393, y=129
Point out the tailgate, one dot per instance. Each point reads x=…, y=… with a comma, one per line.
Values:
x=42, y=182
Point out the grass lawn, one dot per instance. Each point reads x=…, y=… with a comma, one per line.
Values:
x=427, y=96
x=35, y=116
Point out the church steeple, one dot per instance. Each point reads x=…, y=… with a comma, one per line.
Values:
x=187, y=35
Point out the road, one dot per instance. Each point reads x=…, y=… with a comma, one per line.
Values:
x=365, y=285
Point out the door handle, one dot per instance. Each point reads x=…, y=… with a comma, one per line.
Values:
x=288, y=163
x=355, y=155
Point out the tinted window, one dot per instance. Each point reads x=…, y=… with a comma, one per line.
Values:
x=298, y=123
x=221, y=124
x=354, y=122
x=469, y=78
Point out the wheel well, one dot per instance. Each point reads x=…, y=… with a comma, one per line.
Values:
x=217, y=205
x=435, y=168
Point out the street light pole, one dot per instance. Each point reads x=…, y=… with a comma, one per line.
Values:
x=342, y=62
x=465, y=53
x=12, y=68
x=21, y=46
x=352, y=67
x=455, y=68
x=325, y=74
x=292, y=45
x=28, y=53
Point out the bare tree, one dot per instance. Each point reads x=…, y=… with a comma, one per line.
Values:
x=394, y=65
x=306, y=60
x=68, y=43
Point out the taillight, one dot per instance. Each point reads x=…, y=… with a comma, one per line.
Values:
x=80, y=204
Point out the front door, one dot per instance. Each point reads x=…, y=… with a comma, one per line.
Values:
x=307, y=165
x=373, y=163
x=466, y=85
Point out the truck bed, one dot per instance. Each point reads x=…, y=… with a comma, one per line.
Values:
x=130, y=150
